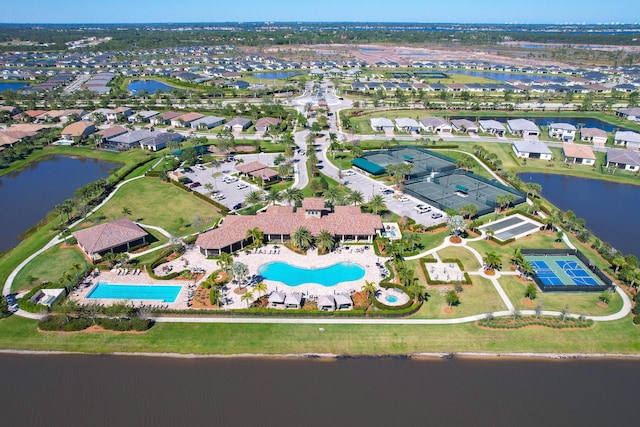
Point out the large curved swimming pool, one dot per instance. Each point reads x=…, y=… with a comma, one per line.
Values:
x=327, y=276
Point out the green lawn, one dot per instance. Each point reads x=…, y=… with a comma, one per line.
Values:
x=479, y=298
x=49, y=266
x=579, y=302
x=469, y=261
x=154, y=202
x=611, y=337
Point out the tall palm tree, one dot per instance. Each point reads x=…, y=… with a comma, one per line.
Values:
x=331, y=195
x=355, y=197
x=294, y=195
x=253, y=198
x=248, y=297
x=260, y=288
x=325, y=241
x=256, y=235
x=272, y=196
x=369, y=288
x=377, y=204
x=492, y=261
x=301, y=237
x=225, y=260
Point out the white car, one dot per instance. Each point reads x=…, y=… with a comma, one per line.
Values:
x=241, y=185
x=200, y=167
x=348, y=173
x=422, y=208
x=230, y=179
x=403, y=199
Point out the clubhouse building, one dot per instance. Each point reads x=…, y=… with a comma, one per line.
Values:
x=278, y=223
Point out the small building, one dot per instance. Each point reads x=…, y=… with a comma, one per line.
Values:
x=493, y=127
x=207, y=122
x=532, y=150
x=578, y=153
x=115, y=236
x=326, y=303
x=407, y=125
x=628, y=139
x=523, y=127
x=257, y=170
x=343, y=302
x=293, y=300
x=435, y=125
x=629, y=113
x=628, y=160
x=380, y=124
x=78, y=130
x=562, y=131
x=597, y=137
x=185, y=120
x=238, y=124
x=276, y=299
x=464, y=126
x=266, y=123
x=164, y=118
x=47, y=297
x=159, y=140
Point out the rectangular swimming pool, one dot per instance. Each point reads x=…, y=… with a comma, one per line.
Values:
x=166, y=293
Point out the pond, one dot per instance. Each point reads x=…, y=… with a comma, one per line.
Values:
x=587, y=122
x=150, y=86
x=11, y=85
x=278, y=75
x=503, y=77
x=29, y=194
x=609, y=208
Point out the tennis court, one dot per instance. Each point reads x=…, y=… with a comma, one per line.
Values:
x=424, y=161
x=566, y=270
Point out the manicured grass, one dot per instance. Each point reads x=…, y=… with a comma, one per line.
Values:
x=428, y=240
x=469, y=261
x=479, y=298
x=611, y=337
x=49, y=266
x=154, y=202
x=578, y=302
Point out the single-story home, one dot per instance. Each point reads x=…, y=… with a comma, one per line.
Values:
x=380, y=124
x=164, y=118
x=114, y=236
x=207, y=122
x=238, y=84
x=562, y=131
x=578, y=153
x=627, y=139
x=628, y=160
x=522, y=127
x=435, y=125
x=629, y=113
x=293, y=300
x=128, y=140
x=185, y=120
x=159, y=140
x=407, y=125
x=597, y=137
x=464, y=125
x=116, y=113
x=238, y=124
x=492, y=126
x=258, y=170
x=7, y=141
x=531, y=150
x=78, y=130
x=266, y=123
x=143, y=116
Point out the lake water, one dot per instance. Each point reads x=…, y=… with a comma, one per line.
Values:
x=63, y=390
x=150, y=86
x=609, y=208
x=29, y=194
x=11, y=85
x=503, y=77
x=276, y=75
x=545, y=121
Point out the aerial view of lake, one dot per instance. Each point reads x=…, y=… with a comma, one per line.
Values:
x=503, y=77
x=150, y=86
x=609, y=208
x=29, y=194
x=276, y=75
x=126, y=391
x=586, y=122
x=11, y=85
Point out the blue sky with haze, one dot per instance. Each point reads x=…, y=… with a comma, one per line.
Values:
x=463, y=11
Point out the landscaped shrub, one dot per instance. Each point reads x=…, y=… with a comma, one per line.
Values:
x=636, y=320
x=4, y=308
x=64, y=323
x=524, y=321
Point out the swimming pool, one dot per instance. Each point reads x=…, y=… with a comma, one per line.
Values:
x=391, y=298
x=166, y=293
x=327, y=276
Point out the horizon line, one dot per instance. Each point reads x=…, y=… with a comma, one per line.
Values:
x=325, y=22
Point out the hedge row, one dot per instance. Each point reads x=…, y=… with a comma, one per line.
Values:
x=268, y=312
x=223, y=209
x=400, y=312
x=140, y=246
x=550, y=322
x=69, y=324
x=153, y=174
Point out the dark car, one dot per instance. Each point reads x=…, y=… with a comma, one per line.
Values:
x=194, y=185
x=188, y=169
x=237, y=206
x=186, y=181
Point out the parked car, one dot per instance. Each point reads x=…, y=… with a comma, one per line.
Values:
x=237, y=206
x=241, y=185
x=194, y=184
x=186, y=181
x=422, y=208
x=200, y=167
x=188, y=169
x=436, y=215
x=230, y=179
x=403, y=199
x=348, y=172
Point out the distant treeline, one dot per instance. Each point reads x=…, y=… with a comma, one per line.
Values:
x=147, y=36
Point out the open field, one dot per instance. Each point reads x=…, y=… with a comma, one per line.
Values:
x=49, y=266
x=154, y=202
x=469, y=261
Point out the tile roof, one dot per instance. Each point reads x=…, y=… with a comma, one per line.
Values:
x=111, y=132
x=76, y=128
x=593, y=132
x=250, y=167
x=578, y=151
x=108, y=235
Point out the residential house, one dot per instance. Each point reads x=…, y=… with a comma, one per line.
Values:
x=207, y=122
x=115, y=236
x=117, y=114
x=531, y=150
x=111, y=132
x=164, y=118
x=407, y=125
x=597, y=137
x=266, y=123
x=185, y=120
x=578, y=153
x=629, y=113
x=380, y=124
x=238, y=124
x=493, y=127
x=159, y=140
x=523, y=127
x=238, y=84
x=464, y=125
x=143, y=116
x=128, y=140
x=77, y=130
x=435, y=125
x=627, y=139
x=628, y=160
x=562, y=131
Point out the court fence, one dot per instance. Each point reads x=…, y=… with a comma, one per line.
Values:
x=608, y=283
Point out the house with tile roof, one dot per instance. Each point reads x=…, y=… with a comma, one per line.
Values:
x=578, y=154
x=115, y=236
x=278, y=223
x=266, y=123
x=597, y=137
x=79, y=129
x=628, y=160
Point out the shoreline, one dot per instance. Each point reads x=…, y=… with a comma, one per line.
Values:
x=426, y=356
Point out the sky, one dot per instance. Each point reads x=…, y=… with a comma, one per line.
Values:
x=461, y=11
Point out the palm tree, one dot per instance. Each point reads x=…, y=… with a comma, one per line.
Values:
x=369, y=288
x=260, y=288
x=294, y=195
x=331, y=195
x=411, y=240
x=355, y=197
x=301, y=237
x=253, y=198
x=126, y=211
x=492, y=261
x=272, y=196
x=325, y=241
x=225, y=260
x=376, y=203
x=248, y=297
x=256, y=236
